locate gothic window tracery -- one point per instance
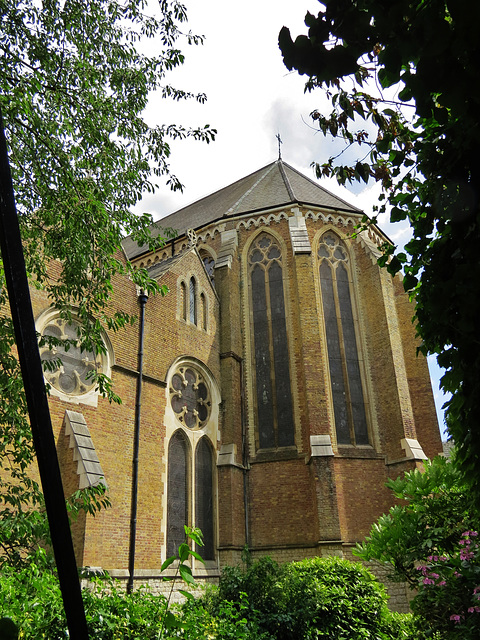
(191, 461)
(274, 410)
(343, 354)
(190, 397)
(69, 366)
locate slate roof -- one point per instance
(278, 184)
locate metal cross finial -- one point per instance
(280, 141)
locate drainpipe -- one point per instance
(244, 456)
(142, 300)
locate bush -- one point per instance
(316, 598)
(31, 597)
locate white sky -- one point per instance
(251, 97)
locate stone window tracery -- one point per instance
(68, 367)
(274, 407)
(343, 354)
(190, 397)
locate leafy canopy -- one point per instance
(73, 86)
(404, 83)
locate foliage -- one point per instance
(449, 591)
(229, 621)
(417, 132)
(73, 86)
(32, 599)
(316, 598)
(430, 542)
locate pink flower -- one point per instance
(456, 618)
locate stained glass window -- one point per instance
(342, 348)
(274, 410)
(204, 497)
(177, 491)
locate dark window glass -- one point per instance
(203, 300)
(183, 293)
(280, 357)
(345, 378)
(262, 359)
(193, 301)
(272, 370)
(204, 498)
(209, 263)
(177, 492)
(334, 356)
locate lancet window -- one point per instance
(193, 300)
(190, 462)
(183, 507)
(342, 347)
(177, 491)
(274, 410)
(204, 492)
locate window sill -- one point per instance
(360, 451)
(273, 455)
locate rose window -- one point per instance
(68, 368)
(190, 398)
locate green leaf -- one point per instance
(186, 574)
(167, 563)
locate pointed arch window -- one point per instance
(209, 264)
(191, 461)
(204, 497)
(274, 410)
(177, 492)
(342, 348)
(183, 301)
(193, 300)
(203, 310)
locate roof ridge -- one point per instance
(239, 201)
(285, 179)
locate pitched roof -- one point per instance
(277, 184)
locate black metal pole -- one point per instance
(142, 299)
(37, 402)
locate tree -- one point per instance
(73, 86)
(422, 57)
(429, 539)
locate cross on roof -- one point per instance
(280, 141)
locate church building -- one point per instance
(280, 385)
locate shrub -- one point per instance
(316, 598)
